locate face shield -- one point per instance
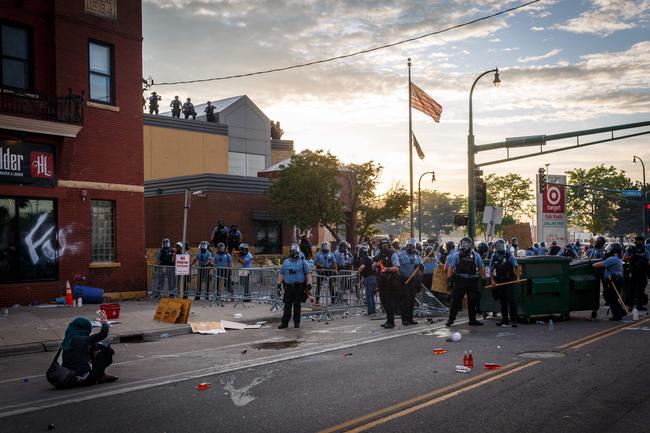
(294, 251)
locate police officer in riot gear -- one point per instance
(542, 249)
(234, 238)
(295, 279)
(639, 259)
(165, 256)
(386, 265)
(325, 265)
(409, 262)
(597, 250)
(612, 278)
(343, 257)
(567, 251)
(223, 265)
(204, 259)
(555, 249)
(483, 250)
(219, 233)
(153, 103)
(467, 271)
(176, 107)
(503, 268)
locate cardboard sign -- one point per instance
(173, 310)
(182, 264)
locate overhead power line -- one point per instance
(356, 53)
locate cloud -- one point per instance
(552, 53)
(608, 16)
(536, 29)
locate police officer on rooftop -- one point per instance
(295, 277)
(465, 267)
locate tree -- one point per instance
(306, 193)
(511, 192)
(596, 209)
(629, 216)
(365, 209)
(438, 210)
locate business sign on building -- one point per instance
(27, 163)
(551, 210)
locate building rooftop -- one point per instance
(220, 105)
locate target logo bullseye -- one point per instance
(553, 195)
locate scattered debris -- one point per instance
(285, 344)
(243, 352)
(203, 386)
(491, 366)
(504, 334)
(241, 396)
(462, 369)
(439, 351)
(347, 354)
(209, 328)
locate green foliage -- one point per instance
(596, 210)
(307, 191)
(393, 205)
(629, 216)
(511, 192)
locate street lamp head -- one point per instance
(496, 81)
(433, 177)
(634, 159)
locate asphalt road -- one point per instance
(351, 375)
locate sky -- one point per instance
(565, 65)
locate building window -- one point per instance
(16, 57)
(103, 240)
(100, 67)
(28, 240)
(245, 164)
(268, 237)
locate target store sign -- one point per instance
(553, 200)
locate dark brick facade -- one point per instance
(107, 150)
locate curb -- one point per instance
(131, 337)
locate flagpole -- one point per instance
(410, 151)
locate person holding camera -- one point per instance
(85, 353)
(295, 277)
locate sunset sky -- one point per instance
(565, 65)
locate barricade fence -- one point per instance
(331, 291)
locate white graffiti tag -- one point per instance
(32, 246)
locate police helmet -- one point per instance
(221, 247)
(465, 244)
(411, 245)
(343, 246)
(613, 249)
(418, 246)
(536, 245)
(395, 244)
(429, 251)
(600, 242)
(294, 251)
(243, 248)
(449, 245)
(166, 243)
(203, 246)
(542, 244)
(483, 248)
(384, 244)
(500, 245)
(554, 243)
(325, 246)
(514, 241)
(363, 250)
(639, 241)
(179, 244)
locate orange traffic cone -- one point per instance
(68, 294)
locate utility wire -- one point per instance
(356, 53)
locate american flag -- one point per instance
(425, 103)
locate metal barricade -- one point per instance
(163, 282)
(245, 285)
(336, 292)
(428, 303)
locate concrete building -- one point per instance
(71, 178)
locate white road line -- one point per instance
(33, 406)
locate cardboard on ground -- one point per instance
(238, 326)
(210, 328)
(173, 310)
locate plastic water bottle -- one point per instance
(80, 302)
(635, 314)
(550, 325)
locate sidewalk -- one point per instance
(41, 328)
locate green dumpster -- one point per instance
(546, 290)
(584, 286)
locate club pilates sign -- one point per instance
(27, 164)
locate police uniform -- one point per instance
(203, 274)
(343, 260)
(294, 273)
(223, 263)
(502, 269)
(613, 275)
(408, 263)
(466, 266)
(387, 283)
(638, 258)
(324, 263)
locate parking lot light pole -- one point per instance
(471, 181)
(433, 179)
(645, 192)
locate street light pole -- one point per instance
(471, 180)
(645, 191)
(433, 179)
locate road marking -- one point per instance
(91, 394)
(615, 331)
(492, 377)
(412, 401)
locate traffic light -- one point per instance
(542, 179)
(481, 194)
(460, 220)
(647, 220)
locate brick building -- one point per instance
(71, 177)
